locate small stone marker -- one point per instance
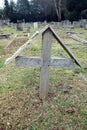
(45, 22)
(66, 23)
(28, 29)
(19, 26)
(35, 25)
(76, 24)
(45, 61)
(86, 27)
(1, 22)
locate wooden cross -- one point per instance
(45, 61)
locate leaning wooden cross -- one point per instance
(45, 62)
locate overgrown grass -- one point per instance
(65, 107)
(1, 50)
(82, 70)
(2, 63)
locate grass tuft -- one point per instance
(2, 63)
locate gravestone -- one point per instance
(19, 26)
(45, 61)
(66, 23)
(45, 22)
(1, 22)
(8, 22)
(76, 24)
(83, 22)
(35, 25)
(59, 24)
(28, 27)
(86, 27)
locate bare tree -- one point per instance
(58, 8)
(47, 7)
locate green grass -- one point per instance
(1, 50)
(20, 105)
(2, 63)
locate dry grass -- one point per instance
(65, 108)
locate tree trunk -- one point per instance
(58, 8)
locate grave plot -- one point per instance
(74, 45)
(22, 35)
(20, 39)
(79, 48)
(17, 41)
(4, 34)
(45, 61)
(75, 37)
(19, 93)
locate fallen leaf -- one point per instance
(69, 110)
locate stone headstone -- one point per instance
(76, 24)
(8, 22)
(66, 23)
(35, 25)
(27, 26)
(45, 22)
(86, 27)
(59, 24)
(83, 22)
(19, 26)
(28, 29)
(1, 22)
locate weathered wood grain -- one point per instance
(28, 62)
(46, 56)
(37, 62)
(62, 63)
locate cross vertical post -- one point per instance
(46, 58)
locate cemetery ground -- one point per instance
(65, 107)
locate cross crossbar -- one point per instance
(37, 62)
